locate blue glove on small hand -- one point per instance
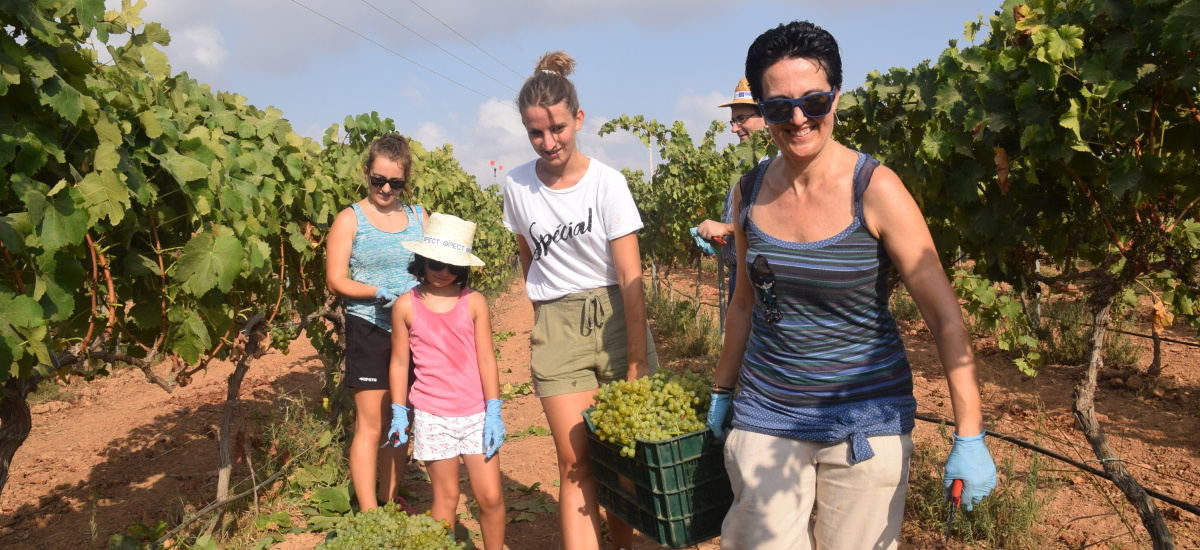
(493, 428)
(388, 295)
(701, 242)
(720, 414)
(397, 434)
(971, 462)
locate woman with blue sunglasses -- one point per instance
(813, 383)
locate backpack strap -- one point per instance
(748, 186)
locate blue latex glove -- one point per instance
(971, 462)
(397, 434)
(701, 242)
(720, 414)
(493, 428)
(387, 295)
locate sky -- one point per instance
(448, 71)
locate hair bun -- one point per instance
(558, 63)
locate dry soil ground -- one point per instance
(111, 453)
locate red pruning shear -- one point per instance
(718, 240)
(955, 498)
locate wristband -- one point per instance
(722, 390)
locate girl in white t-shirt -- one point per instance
(576, 227)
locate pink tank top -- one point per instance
(446, 366)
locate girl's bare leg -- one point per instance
(485, 484)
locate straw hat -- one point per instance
(447, 239)
(741, 95)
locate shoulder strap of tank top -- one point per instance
(359, 215)
(747, 186)
(862, 178)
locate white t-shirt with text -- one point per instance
(568, 230)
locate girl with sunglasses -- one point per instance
(366, 264)
(576, 226)
(813, 377)
(444, 327)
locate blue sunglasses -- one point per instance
(812, 105)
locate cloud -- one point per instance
(431, 136)
(698, 111)
(203, 44)
(413, 96)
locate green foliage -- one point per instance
(902, 306)
(531, 430)
(1007, 518)
(688, 187)
(680, 330)
(510, 391)
(1066, 135)
(147, 217)
(1066, 334)
(390, 527)
(137, 535)
(991, 310)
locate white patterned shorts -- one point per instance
(441, 437)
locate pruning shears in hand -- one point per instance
(954, 498)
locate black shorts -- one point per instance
(368, 354)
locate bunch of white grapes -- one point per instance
(652, 408)
(388, 526)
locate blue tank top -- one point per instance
(377, 259)
(824, 361)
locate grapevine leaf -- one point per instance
(1070, 119)
(335, 499)
(150, 124)
(104, 195)
(60, 96)
(12, 231)
(62, 223)
(210, 261)
(190, 338)
(183, 168)
(139, 265)
(60, 276)
(19, 311)
(106, 156)
(107, 130)
(1126, 175)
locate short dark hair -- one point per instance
(462, 273)
(798, 39)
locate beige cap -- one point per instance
(741, 95)
(447, 239)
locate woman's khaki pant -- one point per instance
(802, 495)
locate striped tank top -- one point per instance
(377, 259)
(824, 361)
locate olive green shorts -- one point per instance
(578, 342)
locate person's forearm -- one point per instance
(634, 298)
(349, 288)
(737, 332)
(958, 363)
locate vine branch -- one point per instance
(1112, 232)
(13, 266)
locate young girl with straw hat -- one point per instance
(456, 393)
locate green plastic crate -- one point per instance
(675, 492)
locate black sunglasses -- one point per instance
(812, 105)
(435, 265)
(379, 181)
